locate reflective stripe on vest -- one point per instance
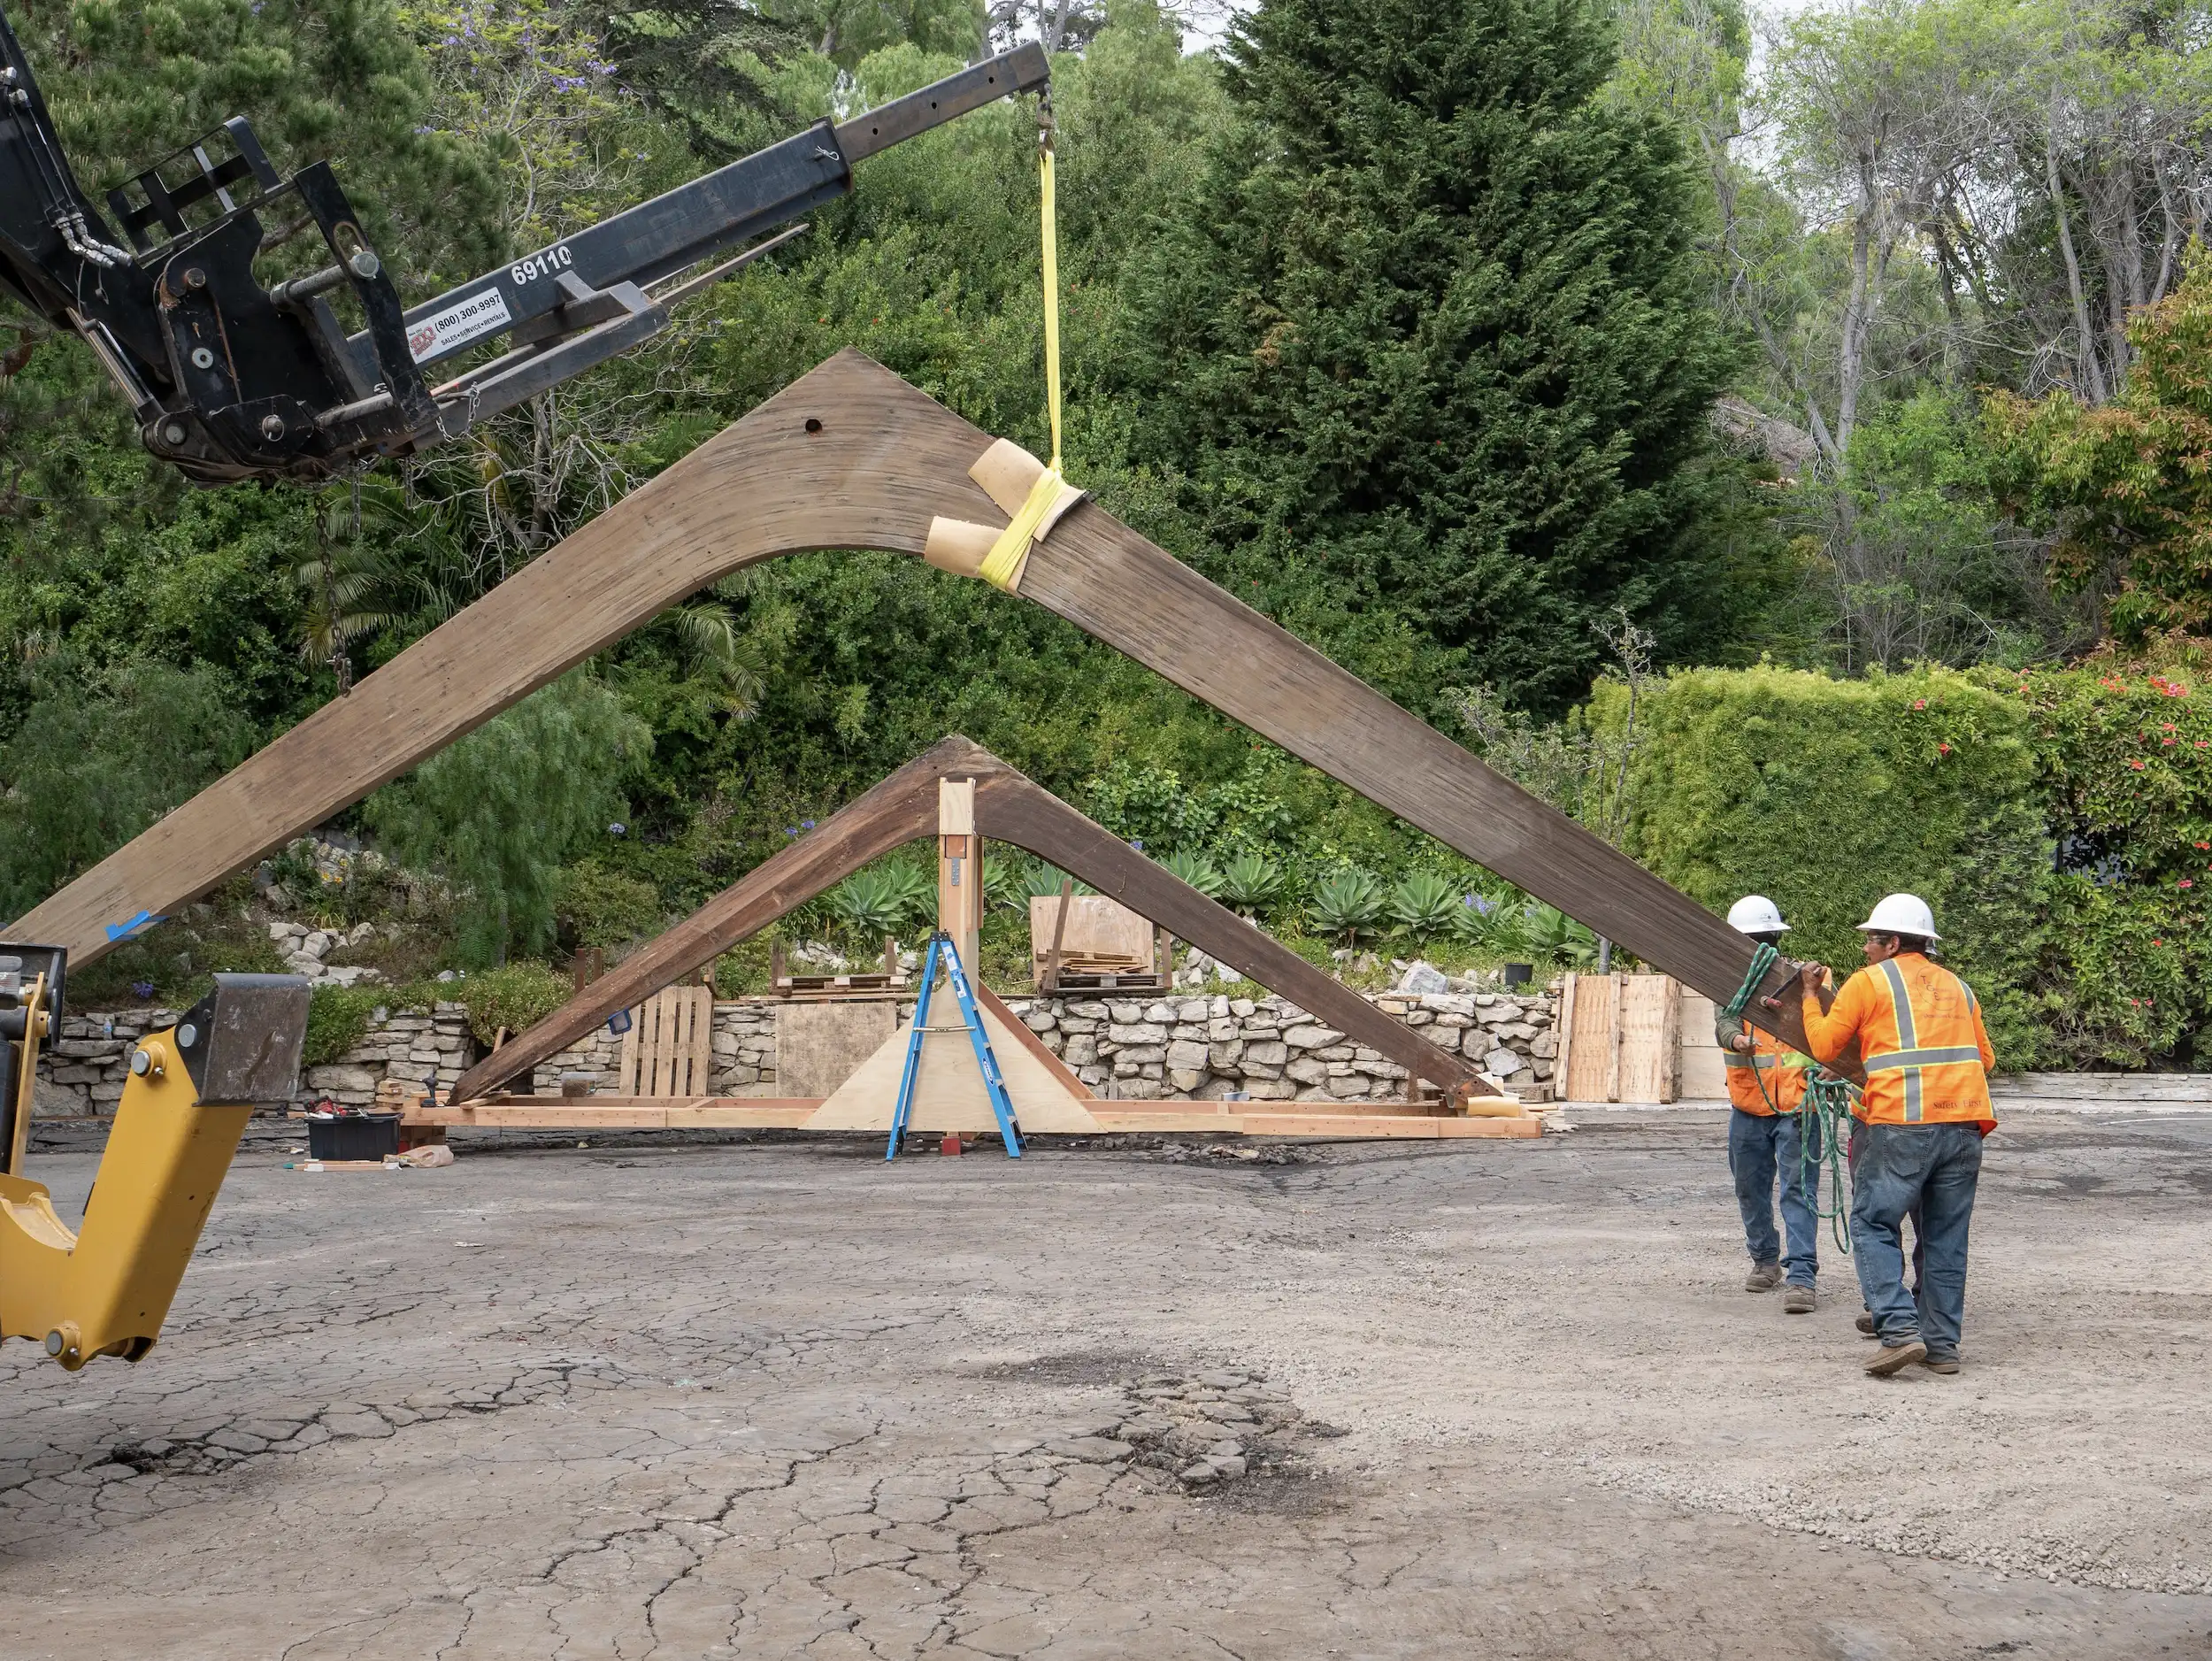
(1900, 1010)
(1924, 1058)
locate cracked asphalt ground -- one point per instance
(771, 1398)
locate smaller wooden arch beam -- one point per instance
(1011, 807)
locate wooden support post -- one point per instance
(587, 966)
(960, 872)
(1051, 980)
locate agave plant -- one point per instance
(1552, 934)
(916, 890)
(1491, 923)
(871, 902)
(1005, 887)
(1252, 882)
(1196, 869)
(1422, 903)
(1349, 903)
(1042, 881)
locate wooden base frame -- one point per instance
(849, 456)
(742, 1112)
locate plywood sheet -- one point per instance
(1701, 1069)
(948, 1093)
(1648, 1006)
(1593, 1045)
(819, 1046)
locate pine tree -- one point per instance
(498, 812)
(1426, 349)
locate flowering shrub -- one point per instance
(2123, 748)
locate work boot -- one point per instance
(1896, 1357)
(1945, 1365)
(1764, 1277)
(1797, 1299)
(1865, 1323)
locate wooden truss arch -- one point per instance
(849, 456)
(1011, 807)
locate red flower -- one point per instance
(2158, 942)
(2187, 883)
(1920, 704)
(2138, 765)
(1943, 749)
(2166, 726)
(2205, 846)
(2167, 743)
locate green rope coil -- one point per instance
(1824, 1118)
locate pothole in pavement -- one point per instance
(1223, 1431)
(1169, 1151)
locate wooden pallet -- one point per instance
(668, 1050)
(829, 986)
(1099, 980)
(886, 981)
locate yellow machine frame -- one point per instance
(105, 1288)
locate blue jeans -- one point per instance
(1927, 1172)
(1759, 1147)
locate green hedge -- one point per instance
(1826, 795)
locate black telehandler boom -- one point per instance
(231, 380)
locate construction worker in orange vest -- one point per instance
(1766, 1082)
(1925, 1109)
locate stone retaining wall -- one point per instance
(81, 1074)
(1268, 1050)
(1167, 1047)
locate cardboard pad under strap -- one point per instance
(1008, 474)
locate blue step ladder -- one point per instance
(942, 950)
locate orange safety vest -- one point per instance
(1772, 1065)
(1921, 1037)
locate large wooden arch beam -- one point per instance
(1011, 807)
(849, 456)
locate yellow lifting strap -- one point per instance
(1001, 567)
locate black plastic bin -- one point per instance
(352, 1136)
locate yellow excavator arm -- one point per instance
(105, 1288)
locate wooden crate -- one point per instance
(668, 1050)
(1102, 938)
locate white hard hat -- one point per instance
(1755, 914)
(1901, 914)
